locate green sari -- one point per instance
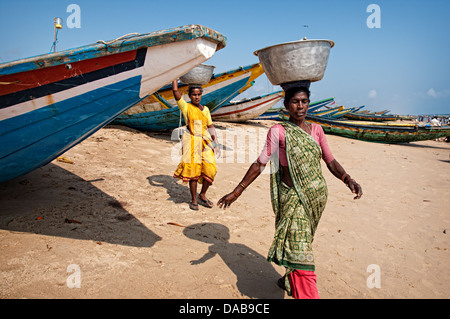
(297, 209)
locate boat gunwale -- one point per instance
(99, 49)
(234, 103)
(215, 76)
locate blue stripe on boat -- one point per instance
(36, 138)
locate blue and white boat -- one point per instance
(221, 88)
(246, 109)
(51, 102)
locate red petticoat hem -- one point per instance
(187, 179)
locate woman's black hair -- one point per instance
(192, 87)
(289, 93)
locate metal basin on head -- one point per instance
(201, 75)
(295, 61)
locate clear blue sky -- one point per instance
(403, 66)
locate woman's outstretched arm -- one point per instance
(337, 170)
(252, 173)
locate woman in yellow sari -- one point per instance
(198, 164)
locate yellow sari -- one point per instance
(198, 161)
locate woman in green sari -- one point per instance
(298, 191)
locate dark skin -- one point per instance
(196, 97)
(297, 107)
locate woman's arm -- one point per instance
(271, 146)
(253, 172)
(214, 146)
(175, 91)
(212, 132)
(337, 170)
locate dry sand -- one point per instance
(103, 224)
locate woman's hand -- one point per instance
(226, 200)
(355, 188)
(253, 172)
(337, 170)
(217, 150)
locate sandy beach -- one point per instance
(112, 222)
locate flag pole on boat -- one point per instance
(58, 25)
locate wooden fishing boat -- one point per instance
(222, 88)
(51, 102)
(340, 114)
(380, 133)
(215, 91)
(328, 112)
(370, 117)
(247, 109)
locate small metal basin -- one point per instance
(295, 61)
(201, 75)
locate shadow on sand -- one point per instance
(178, 193)
(256, 277)
(52, 201)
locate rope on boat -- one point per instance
(119, 38)
(8, 83)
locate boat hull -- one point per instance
(218, 81)
(248, 109)
(370, 117)
(47, 136)
(221, 89)
(45, 111)
(380, 133)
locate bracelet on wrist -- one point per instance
(345, 178)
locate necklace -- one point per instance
(308, 126)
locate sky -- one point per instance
(388, 54)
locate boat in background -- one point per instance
(372, 117)
(223, 88)
(380, 132)
(327, 112)
(341, 113)
(51, 102)
(336, 112)
(247, 109)
(230, 81)
(382, 112)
